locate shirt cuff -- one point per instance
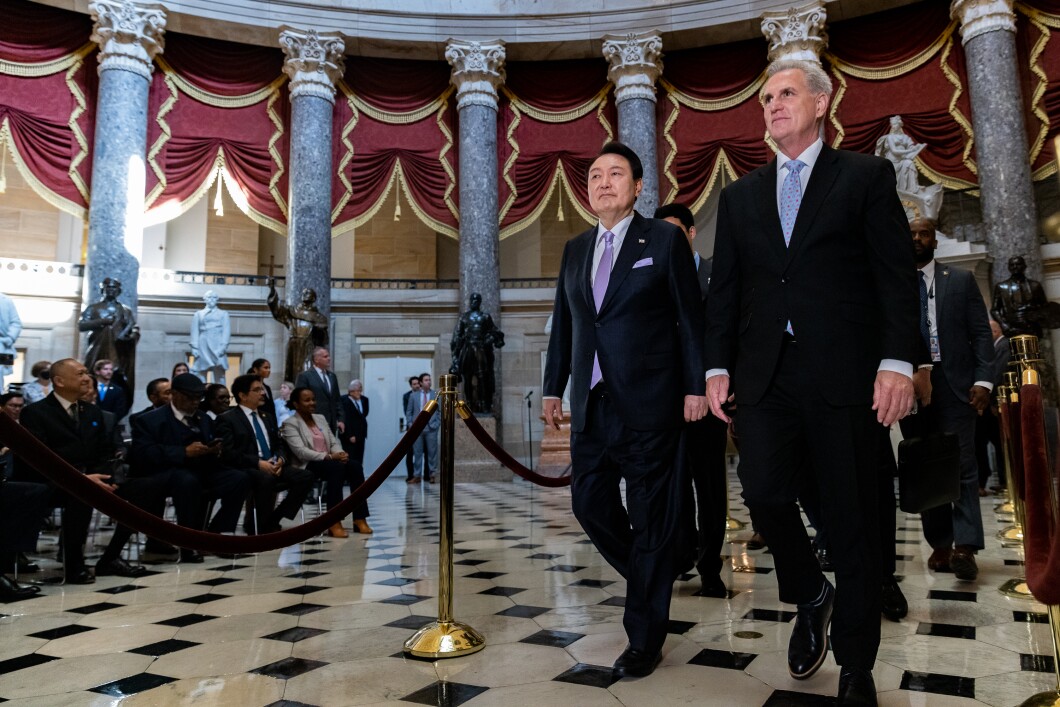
(551, 397)
(896, 366)
(717, 372)
(984, 384)
(926, 367)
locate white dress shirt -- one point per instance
(619, 232)
(251, 414)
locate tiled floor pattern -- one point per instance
(324, 623)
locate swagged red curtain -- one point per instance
(221, 110)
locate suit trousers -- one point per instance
(987, 432)
(638, 539)
(793, 431)
(265, 488)
(704, 443)
(425, 445)
(146, 493)
(335, 473)
(960, 522)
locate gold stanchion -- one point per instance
(730, 522)
(1010, 536)
(1025, 354)
(445, 638)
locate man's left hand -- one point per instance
(695, 407)
(978, 398)
(892, 397)
(342, 427)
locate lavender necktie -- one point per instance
(603, 276)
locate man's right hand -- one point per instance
(268, 467)
(718, 395)
(198, 449)
(552, 410)
(922, 386)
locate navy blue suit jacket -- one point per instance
(159, 440)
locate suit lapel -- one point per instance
(940, 286)
(823, 176)
(767, 196)
(585, 278)
(636, 240)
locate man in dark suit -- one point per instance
(355, 412)
(177, 442)
(250, 444)
(425, 448)
(414, 387)
(112, 395)
(627, 328)
(158, 394)
(812, 310)
(704, 442)
(76, 431)
(325, 387)
(954, 325)
(987, 427)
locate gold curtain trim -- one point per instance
(160, 142)
(277, 158)
(561, 116)
(965, 124)
(1046, 170)
(46, 68)
(721, 162)
(1038, 93)
(559, 178)
(216, 99)
(347, 192)
(718, 103)
(59, 202)
(413, 116)
(423, 216)
(397, 177)
(602, 119)
(1045, 18)
(840, 133)
(79, 136)
(447, 197)
(508, 163)
(890, 72)
(672, 154)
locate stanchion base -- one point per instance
(1011, 536)
(445, 640)
(734, 524)
(1005, 507)
(1042, 699)
(1016, 588)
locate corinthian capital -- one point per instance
(315, 61)
(478, 69)
(636, 62)
(797, 34)
(981, 16)
(129, 34)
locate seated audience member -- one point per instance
(113, 397)
(41, 385)
(251, 444)
(178, 443)
(178, 368)
(22, 509)
(217, 400)
(315, 448)
(158, 394)
(11, 404)
(75, 430)
(283, 410)
(110, 420)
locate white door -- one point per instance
(386, 378)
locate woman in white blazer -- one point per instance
(314, 447)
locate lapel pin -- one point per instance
(640, 240)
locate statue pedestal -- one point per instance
(555, 449)
(473, 462)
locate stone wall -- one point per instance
(29, 226)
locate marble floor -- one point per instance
(323, 623)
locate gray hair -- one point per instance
(817, 79)
(355, 383)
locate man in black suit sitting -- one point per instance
(252, 445)
(158, 394)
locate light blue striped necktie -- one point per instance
(790, 198)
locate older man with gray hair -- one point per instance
(355, 412)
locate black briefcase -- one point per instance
(929, 472)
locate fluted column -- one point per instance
(315, 61)
(635, 65)
(478, 69)
(988, 32)
(796, 34)
(129, 36)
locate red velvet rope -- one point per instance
(52, 467)
(508, 460)
(1040, 541)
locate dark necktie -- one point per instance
(263, 441)
(925, 330)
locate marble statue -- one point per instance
(307, 328)
(472, 346)
(1020, 305)
(211, 332)
(10, 328)
(113, 333)
(919, 201)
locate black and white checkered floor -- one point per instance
(324, 623)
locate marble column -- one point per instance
(315, 61)
(988, 32)
(129, 36)
(796, 34)
(635, 64)
(478, 69)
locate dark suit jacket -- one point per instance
(649, 331)
(327, 402)
(847, 281)
(159, 440)
(356, 421)
(1002, 355)
(85, 444)
(239, 444)
(116, 400)
(706, 266)
(965, 341)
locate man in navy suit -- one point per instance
(325, 386)
(627, 328)
(355, 412)
(113, 397)
(812, 311)
(956, 330)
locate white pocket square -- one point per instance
(642, 263)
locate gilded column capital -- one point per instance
(635, 64)
(315, 61)
(478, 69)
(981, 16)
(797, 34)
(129, 34)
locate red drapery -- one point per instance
(1038, 57)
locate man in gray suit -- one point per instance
(954, 325)
(425, 448)
(325, 386)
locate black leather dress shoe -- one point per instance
(10, 590)
(191, 556)
(856, 688)
(757, 542)
(808, 645)
(713, 587)
(824, 557)
(119, 568)
(25, 566)
(82, 576)
(894, 605)
(636, 664)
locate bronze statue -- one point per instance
(1020, 305)
(113, 333)
(472, 347)
(307, 328)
